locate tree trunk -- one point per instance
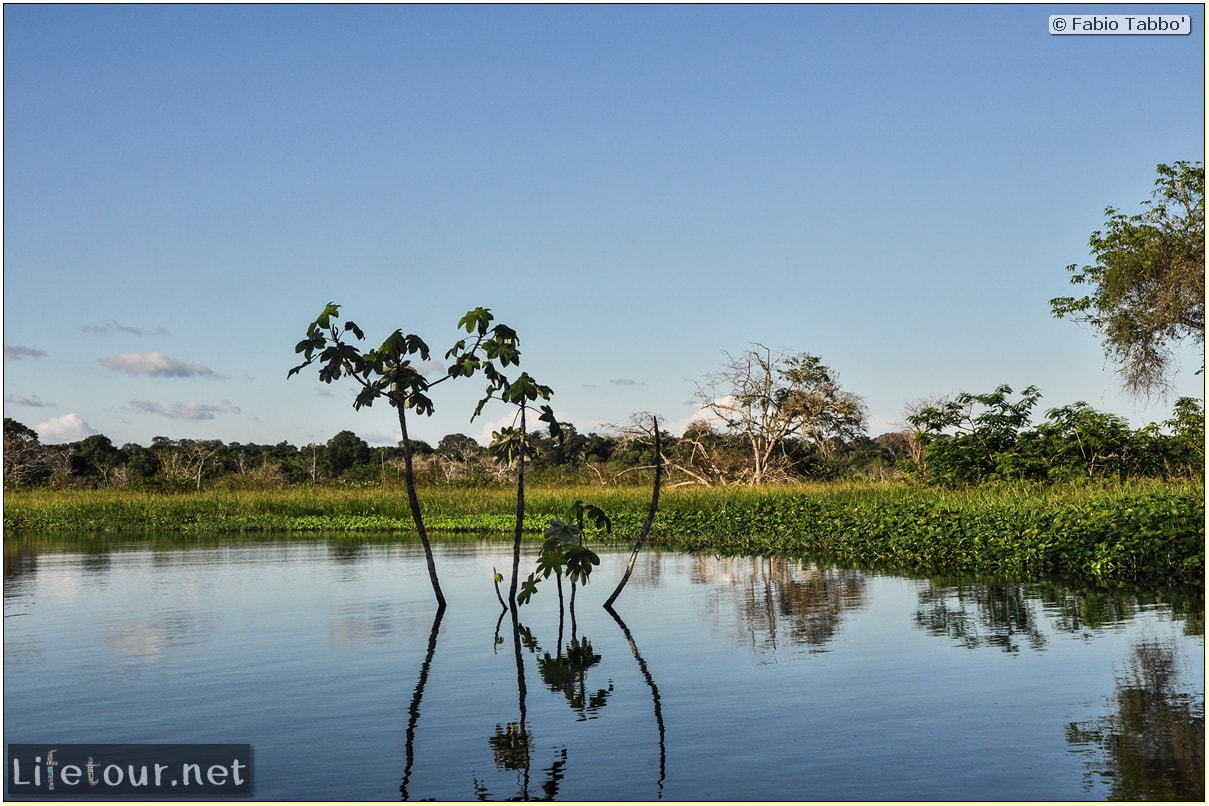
(646, 527)
(413, 501)
(520, 518)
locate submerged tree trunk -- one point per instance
(413, 501)
(520, 517)
(650, 519)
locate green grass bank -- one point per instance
(1145, 530)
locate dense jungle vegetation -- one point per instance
(959, 442)
(975, 488)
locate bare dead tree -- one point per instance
(768, 397)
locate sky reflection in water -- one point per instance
(721, 678)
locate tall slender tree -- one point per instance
(389, 372)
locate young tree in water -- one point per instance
(389, 372)
(1148, 280)
(511, 447)
(650, 517)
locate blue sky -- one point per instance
(634, 189)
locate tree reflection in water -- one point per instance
(778, 600)
(1152, 746)
(980, 614)
(1008, 615)
(567, 673)
(512, 743)
(655, 698)
(1091, 608)
(413, 711)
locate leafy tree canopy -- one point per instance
(1148, 280)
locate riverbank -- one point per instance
(1139, 530)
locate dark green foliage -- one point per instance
(458, 447)
(971, 439)
(344, 451)
(1099, 530)
(142, 464)
(1157, 536)
(95, 458)
(968, 439)
(1078, 441)
(1148, 279)
(563, 551)
(965, 445)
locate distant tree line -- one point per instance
(969, 439)
(961, 440)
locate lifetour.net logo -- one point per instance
(104, 770)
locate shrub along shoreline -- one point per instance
(1148, 531)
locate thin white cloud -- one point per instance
(114, 325)
(508, 420)
(19, 351)
(378, 439)
(68, 428)
(702, 414)
(431, 367)
(512, 419)
(21, 400)
(155, 364)
(623, 382)
(188, 410)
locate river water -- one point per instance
(718, 679)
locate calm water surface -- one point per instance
(723, 679)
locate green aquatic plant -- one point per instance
(563, 551)
(1103, 530)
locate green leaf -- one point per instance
(476, 320)
(395, 344)
(415, 344)
(560, 532)
(598, 517)
(551, 561)
(528, 588)
(547, 416)
(331, 311)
